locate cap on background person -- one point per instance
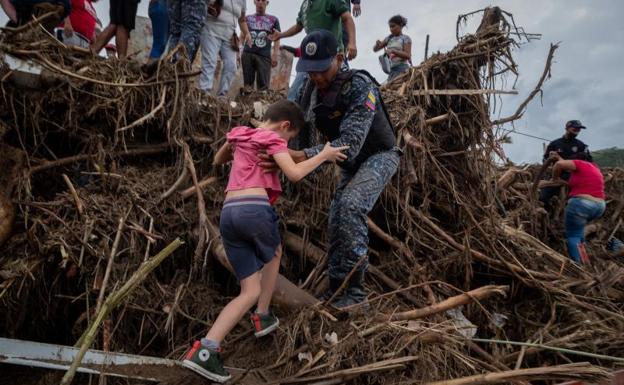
(318, 50)
(574, 124)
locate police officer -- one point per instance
(345, 106)
(563, 148)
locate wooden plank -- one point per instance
(463, 92)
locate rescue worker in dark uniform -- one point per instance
(563, 148)
(345, 106)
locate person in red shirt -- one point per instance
(586, 200)
(79, 27)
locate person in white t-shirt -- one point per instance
(219, 38)
(398, 47)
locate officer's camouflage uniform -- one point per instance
(352, 114)
(186, 19)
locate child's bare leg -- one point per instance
(269, 277)
(234, 311)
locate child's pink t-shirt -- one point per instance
(247, 143)
(586, 180)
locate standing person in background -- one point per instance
(157, 12)
(329, 15)
(218, 37)
(186, 18)
(586, 200)
(398, 47)
(78, 29)
(258, 58)
(122, 18)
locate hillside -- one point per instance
(609, 157)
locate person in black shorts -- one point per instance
(122, 16)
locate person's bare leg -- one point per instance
(121, 39)
(103, 38)
(9, 9)
(270, 272)
(234, 311)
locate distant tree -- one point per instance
(609, 157)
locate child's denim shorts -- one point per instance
(250, 233)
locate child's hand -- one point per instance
(334, 154)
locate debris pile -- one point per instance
(103, 168)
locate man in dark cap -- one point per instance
(563, 148)
(346, 107)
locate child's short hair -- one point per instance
(288, 111)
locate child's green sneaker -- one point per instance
(264, 324)
(205, 362)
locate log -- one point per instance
(508, 178)
(202, 185)
(146, 150)
(581, 370)
(463, 92)
(286, 293)
(449, 303)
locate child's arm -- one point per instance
(224, 154)
(297, 171)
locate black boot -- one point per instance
(334, 284)
(353, 294)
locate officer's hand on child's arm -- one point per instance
(334, 154)
(267, 162)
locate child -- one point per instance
(249, 225)
(398, 46)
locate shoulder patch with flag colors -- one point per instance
(371, 101)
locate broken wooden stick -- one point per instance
(146, 150)
(449, 303)
(74, 194)
(201, 185)
(114, 300)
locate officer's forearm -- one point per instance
(298, 156)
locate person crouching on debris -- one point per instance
(249, 225)
(398, 47)
(346, 107)
(586, 200)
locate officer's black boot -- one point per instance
(334, 284)
(353, 294)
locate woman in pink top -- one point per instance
(249, 225)
(586, 200)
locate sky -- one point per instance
(586, 78)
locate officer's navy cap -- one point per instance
(575, 124)
(318, 50)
